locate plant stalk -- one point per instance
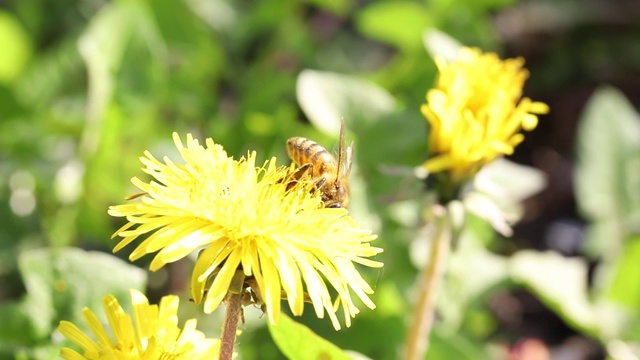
(230, 327)
(417, 341)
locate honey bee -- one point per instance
(331, 176)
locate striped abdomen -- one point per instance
(304, 151)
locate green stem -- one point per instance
(417, 341)
(228, 338)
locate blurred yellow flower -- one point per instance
(476, 112)
(247, 220)
(156, 334)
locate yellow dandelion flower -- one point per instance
(156, 334)
(246, 220)
(476, 112)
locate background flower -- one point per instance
(476, 112)
(156, 334)
(253, 219)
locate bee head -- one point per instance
(339, 197)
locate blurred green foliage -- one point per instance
(87, 86)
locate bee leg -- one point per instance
(302, 171)
(320, 182)
(317, 185)
(296, 175)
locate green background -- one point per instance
(86, 86)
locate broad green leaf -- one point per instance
(560, 283)
(603, 238)
(354, 355)
(328, 97)
(488, 209)
(499, 189)
(218, 14)
(508, 182)
(398, 23)
(607, 176)
(622, 350)
(297, 341)
(59, 283)
(16, 48)
(625, 283)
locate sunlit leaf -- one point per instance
(327, 97)
(498, 190)
(625, 282)
(509, 182)
(353, 355)
(560, 283)
(623, 350)
(488, 209)
(297, 341)
(218, 14)
(608, 169)
(16, 48)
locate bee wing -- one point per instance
(345, 153)
(345, 168)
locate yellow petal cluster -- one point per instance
(152, 334)
(476, 112)
(244, 218)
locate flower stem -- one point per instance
(417, 341)
(228, 338)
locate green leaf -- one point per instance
(618, 349)
(16, 48)
(508, 182)
(560, 283)
(607, 177)
(59, 283)
(500, 188)
(327, 97)
(398, 23)
(297, 341)
(625, 283)
(451, 346)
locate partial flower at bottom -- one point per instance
(476, 112)
(257, 233)
(155, 336)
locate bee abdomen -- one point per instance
(303, 151)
